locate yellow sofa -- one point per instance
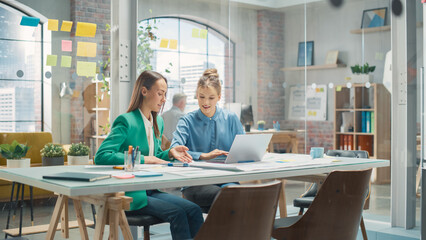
(36, 141)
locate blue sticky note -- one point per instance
(29, 21)
(147, 174)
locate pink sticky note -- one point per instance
(66, 46)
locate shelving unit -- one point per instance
(97, 104)
(315, 67)
(376, 101)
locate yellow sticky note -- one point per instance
(317, 90)
(66, 61)
(164, 43)
(173, 44)
(338, 88)
(85, 29)
(203, 33)
(195, 33)
(52, 24)
(86, 49)
(51, 60)
(75, 94)
(66, 26)
(86, 69)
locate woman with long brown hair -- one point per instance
(141, 126)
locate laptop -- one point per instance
(246, 148)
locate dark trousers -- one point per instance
(185, 217)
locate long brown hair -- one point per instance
(147, 79)
(210, 78)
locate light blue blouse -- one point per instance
(202, 134)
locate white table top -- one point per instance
(33, 177)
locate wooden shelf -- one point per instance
(378, 29)
(100, 109)
(345, 110)
(364, 134)
(364, 109)
(315, 67)
(371, 30)
(345, 133)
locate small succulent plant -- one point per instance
(52, 150)
(78, 149)
(14, 151)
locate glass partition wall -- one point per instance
(322, 72)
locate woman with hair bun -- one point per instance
(207, 132)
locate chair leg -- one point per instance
(301, 211)
(10, 207)
(146, 233)
(363, 231)
(31, 206)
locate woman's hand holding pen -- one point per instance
(153, 160)
(180, 153)
(212, 154)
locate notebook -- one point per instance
(246, 148)
(77, 176)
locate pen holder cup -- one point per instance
(131, 160)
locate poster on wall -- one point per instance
(316, 103)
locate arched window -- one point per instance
(181, 49)
(21, 96)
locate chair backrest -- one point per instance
(242, 212)
(335, 212)
(348, 153)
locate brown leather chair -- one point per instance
(242, 212)
(335, 212)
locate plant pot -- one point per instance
(19, 163)
(78, 160)
(261, 127)
(52, 161)
(361, 78)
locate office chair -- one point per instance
(306, 199)
(335, 212)
(242, 212)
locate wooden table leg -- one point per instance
(55, 217)
(101, 221)
(114, 206)
(65, 219)
(282, 201)
(80, 219)
(124, 226)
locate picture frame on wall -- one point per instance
(331, 57)
(309, 54)
(374, 17)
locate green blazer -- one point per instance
(129, 129)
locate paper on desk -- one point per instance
(201, 173)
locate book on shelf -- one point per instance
(367, 122)
(372, 122)
(363, 122)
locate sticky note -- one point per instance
(203, 33)
(66, 61)
(75, 94)
(322, 90)
(86, 69)
(173, 44)
(164, 43)
(86, 49)
(29, 21)
(66, 46)
(85, 29)
(317, 90)
(338, 88)
(51, 60)
(52, 24)
(66, 26)
(195, 33)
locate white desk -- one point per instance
(102, 192)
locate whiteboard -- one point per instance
(316, 103)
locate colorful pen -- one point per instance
(118, 167)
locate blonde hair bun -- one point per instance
(211, 72)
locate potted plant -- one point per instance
(14, 153)
(52, 155)
(361, 74)
(78, 154)
(261, 125)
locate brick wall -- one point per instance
(91, 11)
(270, 58)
